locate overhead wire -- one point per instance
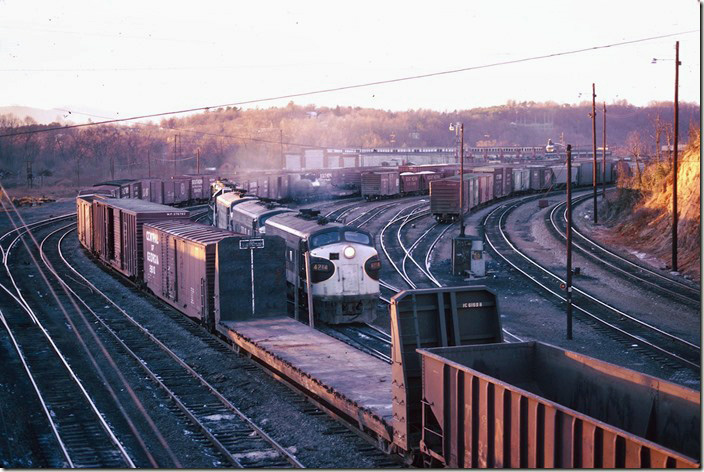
(356, 86)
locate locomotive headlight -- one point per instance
(349, 252)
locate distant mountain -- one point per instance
(37, 114)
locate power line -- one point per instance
(355, 86)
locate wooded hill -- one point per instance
(255, 138)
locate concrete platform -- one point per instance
(352, 382)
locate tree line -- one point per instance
(256, 138)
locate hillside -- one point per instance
(256, 138)
(641, 216)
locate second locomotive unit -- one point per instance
(342, 260)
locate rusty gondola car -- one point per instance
(534, 405)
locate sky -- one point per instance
(128, 58)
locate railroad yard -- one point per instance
(170, 394)
(292, 235)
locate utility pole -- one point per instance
(198, 161)
(568, 234)
(674, 159)
(594, 149)
(603, 160)
(462, 180)
(281, 147)
(175, 140)
(149, 161)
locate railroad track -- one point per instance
(79, 428)
(239, 441)
(363, 336)
(654, 280)
(666, 347)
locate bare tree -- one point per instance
(635, 147)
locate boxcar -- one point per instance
(486, 188)
(124, 186)
(379, 184)
(182, 190)
(118, 230)
(560, 173)
(84, 220)
(521, 179)
(540, 177)
(198, 188)
(427, 176)
(152, 190)
(199, 270)
(532, 405)
(105, 190)
(410, 183)
(168, 194)
(498, 173)
(444, 196)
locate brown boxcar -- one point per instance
(486, 188)
(532, 405)
(427, 318)
(410, 183)
(118, 230)
(105, 190)
(181, 265)
(196, 185)
(123, 186)
(379, 184)
(445, 198)
(540, 177)
(152, 190)
(427, 176)
(84, 220)
(168, 194)
(182, 190)
(498, 178)
(135, 188)
(508, 180)
(200, 186)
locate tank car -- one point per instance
(344, 266)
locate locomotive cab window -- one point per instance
(355, 237)
(323, 239)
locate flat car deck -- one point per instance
(355, 383)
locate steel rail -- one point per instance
(61, 357)
(589, 314)
(45, 409)
(621, 258)
(290, 458)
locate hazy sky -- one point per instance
(130, 58)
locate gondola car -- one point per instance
(343, 262)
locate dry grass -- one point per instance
(641, 215)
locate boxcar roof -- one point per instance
(141, 206)
(115, 183)
(467, 176)
(195, 232)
